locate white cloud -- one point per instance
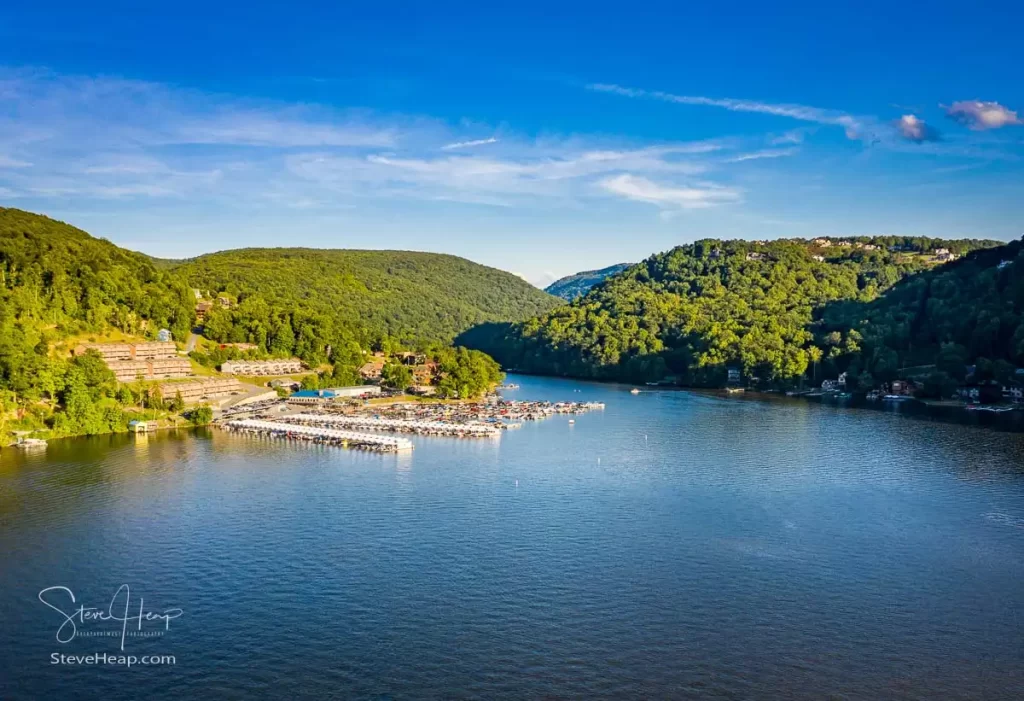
(643, 190)
(854, 127)
(107, 138)
(914, 129)
(980, 115)
(765, 153)
(468, 144)
(793, 136)
(6, 162)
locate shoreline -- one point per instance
(912, 407)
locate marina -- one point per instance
(501, 413)
(423, 428)
(319, 435)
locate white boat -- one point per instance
(30, 443)
(634, 391)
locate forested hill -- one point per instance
(934, 325)
(411, 297)
(59, 278)
(689, 314)
(572, 286)
(56, 283)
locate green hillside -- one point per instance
(411, 297)
(968, 312)
(690, 313)
(58, 282)
(572, 286)
(59, 285)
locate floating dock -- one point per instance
(423, 428)
(321, 435)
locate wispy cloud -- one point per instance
(855, 128)
(6, 162)
(643, 190)
(80, 138)
(469, 144)
(793, 136)
(979, 115)
(764, 153)
(914, 129)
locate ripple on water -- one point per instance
(672, 545)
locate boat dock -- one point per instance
(423, 428)
(321, 435)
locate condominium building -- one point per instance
(200, 388)
(261, 367)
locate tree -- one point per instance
(177, 403)
(396, 375)
(200, 415)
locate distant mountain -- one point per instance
(778, 311)
(408, 296)
(573, 286)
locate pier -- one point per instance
(320, 435)
(423, 428)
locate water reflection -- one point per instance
(725, 547)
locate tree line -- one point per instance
(779, 312)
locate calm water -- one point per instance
(674, 545)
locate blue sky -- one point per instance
(539, 138)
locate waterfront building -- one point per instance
(424, 374)
(157, 368)
(372, 369)
(324, 397)
(312, 397)
(129, 351)
(200, 388)
(262, 367)
(356, 391)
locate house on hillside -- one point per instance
(822, 243)
(820, 259)
(372, 369)
(424, 373)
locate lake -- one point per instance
(673, 545)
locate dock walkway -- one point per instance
(316, 434)
(423, 428)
